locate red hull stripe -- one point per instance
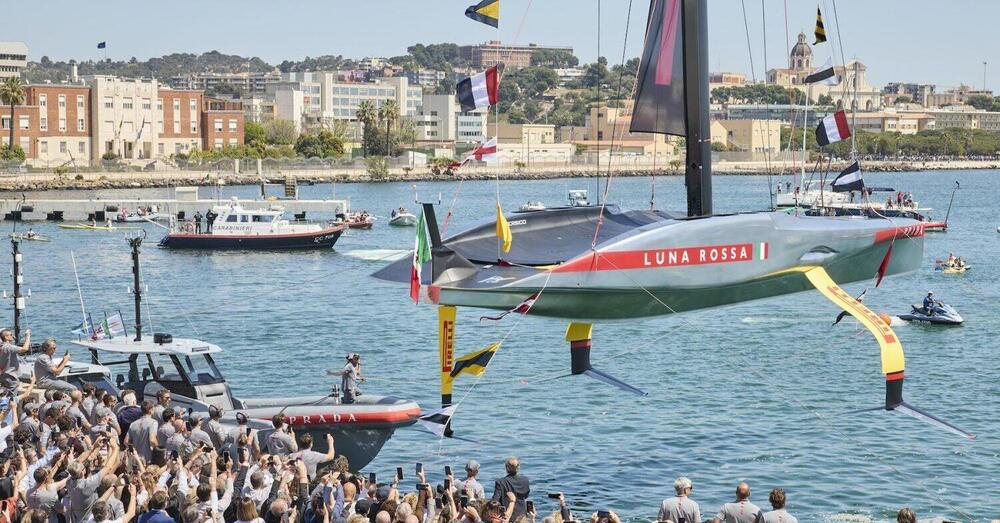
(321, 232)
(895, 233)
(894, 376)
(351, 418)
(660, 258)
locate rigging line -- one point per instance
(854, 106)
(791, 107)
(600, 81)
(614, 127)
(454, 199)
(767, 107)
(819, 416)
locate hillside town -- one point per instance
(405, 109)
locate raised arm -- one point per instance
(330, 453)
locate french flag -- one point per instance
(833, 129)
(478, 91)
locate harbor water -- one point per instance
(753, 392)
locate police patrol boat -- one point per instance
(236, 227)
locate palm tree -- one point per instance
(366, 114)
(389, 112)
(12, 93)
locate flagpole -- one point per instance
(496, 129)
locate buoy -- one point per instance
(886, 318)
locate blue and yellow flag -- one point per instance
(487, 12)
(475, 362)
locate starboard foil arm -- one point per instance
(893, 364)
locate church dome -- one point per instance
(801, 49)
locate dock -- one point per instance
(183, 206)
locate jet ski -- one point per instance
(941, 313)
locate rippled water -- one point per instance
(750, 392)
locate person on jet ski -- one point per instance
(929, 304)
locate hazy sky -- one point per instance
(913, 40)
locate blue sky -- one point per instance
(915, 40)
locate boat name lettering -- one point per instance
(698, 255)
(517, 222)
(322, 418)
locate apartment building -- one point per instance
(221, 123)
(326, 98)
(13, 59)
(124, 119)
(179, 121)
(490, 53)
(440, 119)
(247, 83)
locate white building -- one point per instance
(248, 83)
(120, 108)
(439, 119)
(13, 59)
(569, 74)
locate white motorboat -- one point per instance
(532, 206)
(578, 198)
(402, 218)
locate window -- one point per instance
(79, 101)
(232, 141)
(231, 218)
(159, 149)
(194, 127)
(232, 126)
(145, 103)
(244, 218)
(177, 105)
(23, 122)
(177, 148)
(127, 103)
(81, 125)
(159, 104)
(218, 126)
(43, 124)
(62, 147)
(5, 122)
(43, 147)
(81, 147)
(218, 143)
(177, 127)
(26, 144)
(109, 102)
(193, 105)
(62, 100)
(43, 100)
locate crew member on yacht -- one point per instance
(349, 378)
(210, 217)
(9, 361)
(47, 371)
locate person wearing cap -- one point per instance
(47, 370)
(198, 436)
(215, 430)
(9, 361)
(349, 378)
(470, 485)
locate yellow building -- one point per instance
(526, 133)
(752, 136)
(965, 117)
(889, 121)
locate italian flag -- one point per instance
(421, 254)
(760, 251)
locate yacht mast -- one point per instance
(698, 172)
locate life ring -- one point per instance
(188, 227)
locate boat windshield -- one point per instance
(200, 370)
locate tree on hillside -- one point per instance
(368, 116)
(556, 58)
(12, 94)
(903, 99)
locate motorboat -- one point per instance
(578, 198)
(402, 218)
(95, 227)
(236, 227)
(359, 220)
(187, 368)
(940, 313)
(139, 217)
(953, 268)
(530, 206)
(809, 197)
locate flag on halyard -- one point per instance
(84, 329)
(820, 30)
(833, 129)
(437, 421)
(479, 91)
(102, 45)
(849, 179)
(475, 362)
(421, 255)
(503, 230)
(487, 12)
(522, 308)
(486, 152)
(109, 328)
(824, 75)
(138, 136)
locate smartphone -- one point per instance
(438, 504)
(420, 468)
(447, 470)
(531, 506)
(399, 473)
(603, 514)
(225, 455)
(173, 454)
(554, 495)
(248, 432)
(371, 478)
(422, 486)
(447, 484)
(463, 501)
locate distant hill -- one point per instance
(161, 68)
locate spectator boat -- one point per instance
(402, 218)
(238, 228)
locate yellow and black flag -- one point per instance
(486, 11)
(474, 362)
(820, 30)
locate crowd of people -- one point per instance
(85, 455)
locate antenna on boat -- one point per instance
(951, 201)
(135, 242)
